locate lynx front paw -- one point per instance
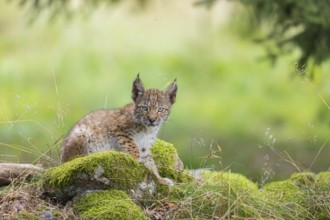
(166, 181)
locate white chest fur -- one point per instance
(144, 140)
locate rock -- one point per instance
(231, 181)
(111, 170)
(233, 196)
(104, 170)
(168, 162)
(287, 199)
(303, 196)
(112, 185)
(303, 179)
(215, 195)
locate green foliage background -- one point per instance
(291, 24)
(262, 116)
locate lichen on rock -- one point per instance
(107, 204)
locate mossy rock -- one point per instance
(109, 170)
(218, 194)
(107, 204)
(323, 181)
(169, 165)
(322, 195)
(167, 161)
(304, 179)
(238, 192)
(232, 181)
(302, 196)
(285, 199)
(230, 195)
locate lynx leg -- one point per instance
(150, 164)
(146, 159)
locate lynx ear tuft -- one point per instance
(171, 91)
(137, 89)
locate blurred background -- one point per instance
(243, 104)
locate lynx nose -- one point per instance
(152, 120)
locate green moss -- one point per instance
(115, 170)
(303, 196)
(109, 204)
(304, 179)
(119, 169)
(285, 199)
(224, 195)
(166, 159)
(284, 191)
(219, 194)
(199, 200)
(322, 195)
(232, 181)
(166, 156)
(238, 191)
(323, 181)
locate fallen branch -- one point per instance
(12, 171)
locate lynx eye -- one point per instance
(144, 108)
(161, 109)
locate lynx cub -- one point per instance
(132, 128)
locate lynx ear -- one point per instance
(171, 91)
(137, 89)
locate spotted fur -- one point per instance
(132, 128)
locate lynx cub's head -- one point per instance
(152, 106)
